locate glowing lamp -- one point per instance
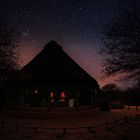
(52, 95)
(36, 91)
(62, 94)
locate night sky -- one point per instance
(75, 24)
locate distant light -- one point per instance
(24, 34)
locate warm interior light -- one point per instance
(52, 95)
(62, 94)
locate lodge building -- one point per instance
(51, 79)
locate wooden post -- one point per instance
(2, 123)
(92, 96)
(77, 100)
(136, 108)
(92, 99)
(17, 126)
(49, 104)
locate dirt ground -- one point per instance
(113, 125)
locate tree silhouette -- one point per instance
(122, 45)
(110, 87)
(132, 96)
(8, 56)
(111, 90)
(8, 51)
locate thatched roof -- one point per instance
(52, 66)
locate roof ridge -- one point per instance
(52, 44)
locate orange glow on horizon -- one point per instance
(88, 59)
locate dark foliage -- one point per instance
(8, 50)
(122, 45)
(111, 91)
(111, 87)
(132, 96)
(8, 56)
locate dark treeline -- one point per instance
(121, 51)
(112, 96)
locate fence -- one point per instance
(100, 131)
(129, 107)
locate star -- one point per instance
(80, 8)
(24, 34)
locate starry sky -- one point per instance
(75, 24)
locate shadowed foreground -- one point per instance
(114, 125)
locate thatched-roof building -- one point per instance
(52, 78)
